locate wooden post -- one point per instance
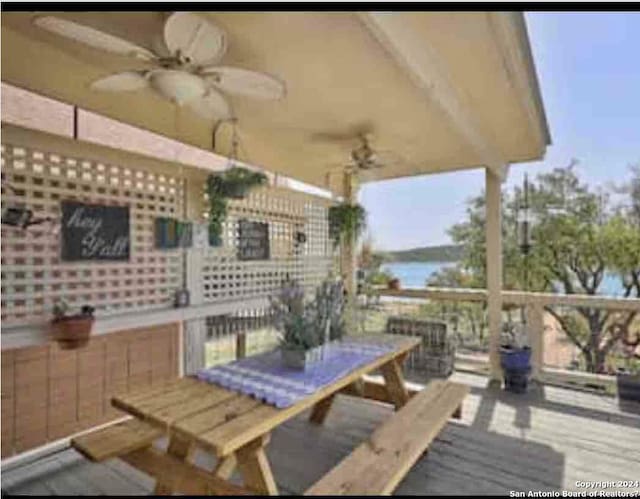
(348, 247)
(493, 234)
(535, 324)
(195, 337)
(241, 345)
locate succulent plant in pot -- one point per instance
(233, 183)
(71, 331)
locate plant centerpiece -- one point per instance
(71, 331)
(330, 306)
(306, 327)
(233, 183)
(515, 359)
(346, 221)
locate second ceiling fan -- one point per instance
(186, 65)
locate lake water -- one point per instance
(415, 275)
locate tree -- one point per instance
(574, 247)
(463, 316)
(370, 261)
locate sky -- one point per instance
(588, 66)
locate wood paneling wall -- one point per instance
(49, 393)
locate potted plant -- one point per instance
(346, 221)
(393, 283)
(307, 328)
(628, 378)
(233, 183)
(71, 331)
(515, 359)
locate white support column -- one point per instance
(493, 236)
(348, 247)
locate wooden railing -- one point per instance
(534, 305)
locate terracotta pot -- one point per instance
(394, 284)
(72, 332)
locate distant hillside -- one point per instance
(444, 253)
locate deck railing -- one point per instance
(534, 307)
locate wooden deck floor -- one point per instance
(545, 440)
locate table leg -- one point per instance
(225, 467)
(179, 448)
(320, 411)
(394, 383)
(254, 467)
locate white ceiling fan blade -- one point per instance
(195, 38)
(92, 37)
(213, 106)
(121, 82)
(239, 81)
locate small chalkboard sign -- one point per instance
(94, 232)
(253, 241)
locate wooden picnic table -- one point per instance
(236, 427)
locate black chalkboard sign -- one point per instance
(94, 232)
(253, 243)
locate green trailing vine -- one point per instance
(346, 220)
(234, 183)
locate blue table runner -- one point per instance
(266, 378)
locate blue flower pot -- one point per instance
(516, 366)
(518, 359)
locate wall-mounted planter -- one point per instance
(72, 332)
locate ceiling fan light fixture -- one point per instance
(178, 86)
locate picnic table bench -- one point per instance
(236, 428)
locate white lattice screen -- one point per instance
(222, 276)
(34, 277)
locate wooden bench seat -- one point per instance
(116, 440)
(378, 465)
(131, 441)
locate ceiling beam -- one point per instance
(509, 32)
(428, 72)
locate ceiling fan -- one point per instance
(185, 61)
(364, 159)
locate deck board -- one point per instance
(544, 440)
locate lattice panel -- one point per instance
(33, 276)
(223, 276)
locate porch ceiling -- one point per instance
(444, 91)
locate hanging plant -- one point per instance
(346, 220)
(237, 182)
(234, 183)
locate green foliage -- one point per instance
(303, 324)
(467, 320)
(232, 183)
(346, 220)
(370, 262)
(572, 250)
